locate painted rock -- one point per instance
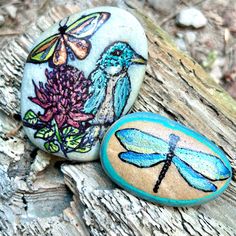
(164, 162)
(81, 75)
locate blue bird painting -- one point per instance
(111, 85)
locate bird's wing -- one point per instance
(97, 91)
(192, 177)
(206, 164)
(121, 94)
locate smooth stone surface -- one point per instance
(162, 161)
(191, 17)
(82, 74)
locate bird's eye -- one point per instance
(117, 53)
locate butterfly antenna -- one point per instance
(67, 18)
(60, 23)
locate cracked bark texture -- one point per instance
(45, 195)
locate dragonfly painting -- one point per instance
(198, 169)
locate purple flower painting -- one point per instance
(63, 123)
(63, 96)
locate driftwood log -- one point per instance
(44, 195)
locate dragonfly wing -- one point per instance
(138, 141)
(44, 50)
(208, 165)
(87, 25)
(121, 95)
(192, 177)
(142, 160)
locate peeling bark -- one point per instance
(111, 211)
(39, 196)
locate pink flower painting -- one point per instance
(62, 98)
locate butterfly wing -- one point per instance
(44, 50)
(60, 53)
(87, 25)
(138, 141)
(121, 95)
(142, 160)
(80, 47)
(208, 165)
(74, 37)
(193, 178)
(78, 33)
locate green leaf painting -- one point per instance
(30, 117)
(51, 147)
(44, 133)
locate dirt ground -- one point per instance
(213, 46)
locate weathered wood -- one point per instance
(35, 200)
(111, 211)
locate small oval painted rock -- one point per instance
(164, 162)
(81, 75)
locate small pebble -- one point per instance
(11, 11)
(179, 35)
(181, 44)
(190, 37)
(2, 20)
(191, 17)
(217, 69)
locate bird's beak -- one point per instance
(138, 59)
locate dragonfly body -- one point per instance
(172, 144)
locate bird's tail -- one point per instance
(94, 134)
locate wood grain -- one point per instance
(40, 196)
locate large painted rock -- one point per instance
(164, 162)
(81, 75)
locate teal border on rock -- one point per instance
(155, 118)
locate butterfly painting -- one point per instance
(72, 40)
(198, 169)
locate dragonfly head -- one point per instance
(174, 139)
